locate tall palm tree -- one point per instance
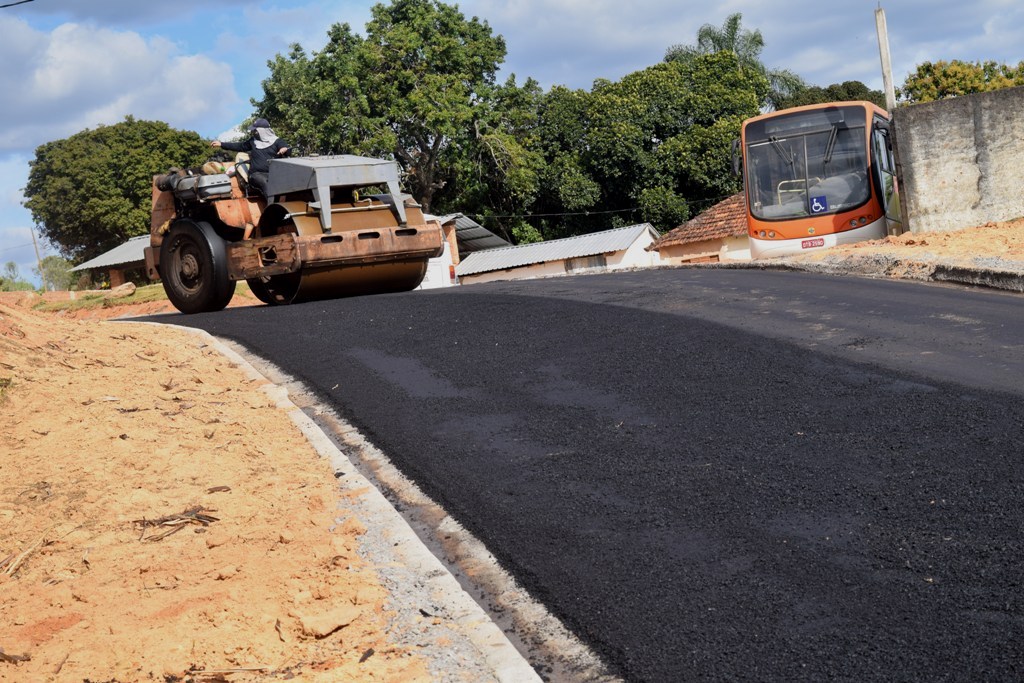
(747, 46)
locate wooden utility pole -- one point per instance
(883, 50)
(39, 261)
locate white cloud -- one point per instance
(79, 76)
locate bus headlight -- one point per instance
(853, 223)
(761, 234)
(771, 234)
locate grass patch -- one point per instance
(143, 295)
(90, 300)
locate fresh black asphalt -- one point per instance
(708, 474)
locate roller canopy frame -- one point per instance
(320, 174)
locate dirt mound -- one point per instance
(1003, 241)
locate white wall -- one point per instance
(438, 274)
(635, 256)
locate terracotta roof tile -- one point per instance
(728, 218)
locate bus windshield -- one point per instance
(807, 163)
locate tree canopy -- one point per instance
(837, 92)
(411, 88)
(55, 273)
(937, 80)
(420, 86)
(92, 191)
(644, 148)
(10, 279)
(747, 46)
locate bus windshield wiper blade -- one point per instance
(830, 146)
(782, 151)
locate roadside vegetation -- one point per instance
(95, 299)
(98, 299)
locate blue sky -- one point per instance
(69, 65)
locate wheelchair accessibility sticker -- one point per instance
(819, 204)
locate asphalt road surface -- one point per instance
(709, 474)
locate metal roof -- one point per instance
(554, 250)
(472, 236)
(129, 252)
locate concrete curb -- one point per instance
(1009, 278)
(495, 653)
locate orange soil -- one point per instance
(110, 428)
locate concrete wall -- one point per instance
(960, 160)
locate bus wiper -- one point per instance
(782, 151)
(830, 146)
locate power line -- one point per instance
(19, 246)
(12, 4)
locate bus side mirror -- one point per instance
(736, 156)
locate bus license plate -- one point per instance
(810, 244)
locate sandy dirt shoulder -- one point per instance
(160, 518)
(997, 246)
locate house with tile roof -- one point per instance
(718, 234)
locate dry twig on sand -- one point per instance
(13, 659)
(175, 523)
(13, 566)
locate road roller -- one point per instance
(330, 226)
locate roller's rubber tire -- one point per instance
(194, 267)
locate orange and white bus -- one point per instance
(818, 176)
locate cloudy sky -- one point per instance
(69, 65)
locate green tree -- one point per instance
(848, 91)
(10, 279)
(566, 184)
(497, 171)
(938, 80)
(747, 46)
(319, 102)
(645, 147)
(92, 191)
(55, 273)
(412, 88)
(426, 66)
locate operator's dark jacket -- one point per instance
(259, 159)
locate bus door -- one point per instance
(885, 167)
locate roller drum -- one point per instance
(331, 283)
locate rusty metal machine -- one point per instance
(331, 227)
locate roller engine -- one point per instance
(332, 226)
